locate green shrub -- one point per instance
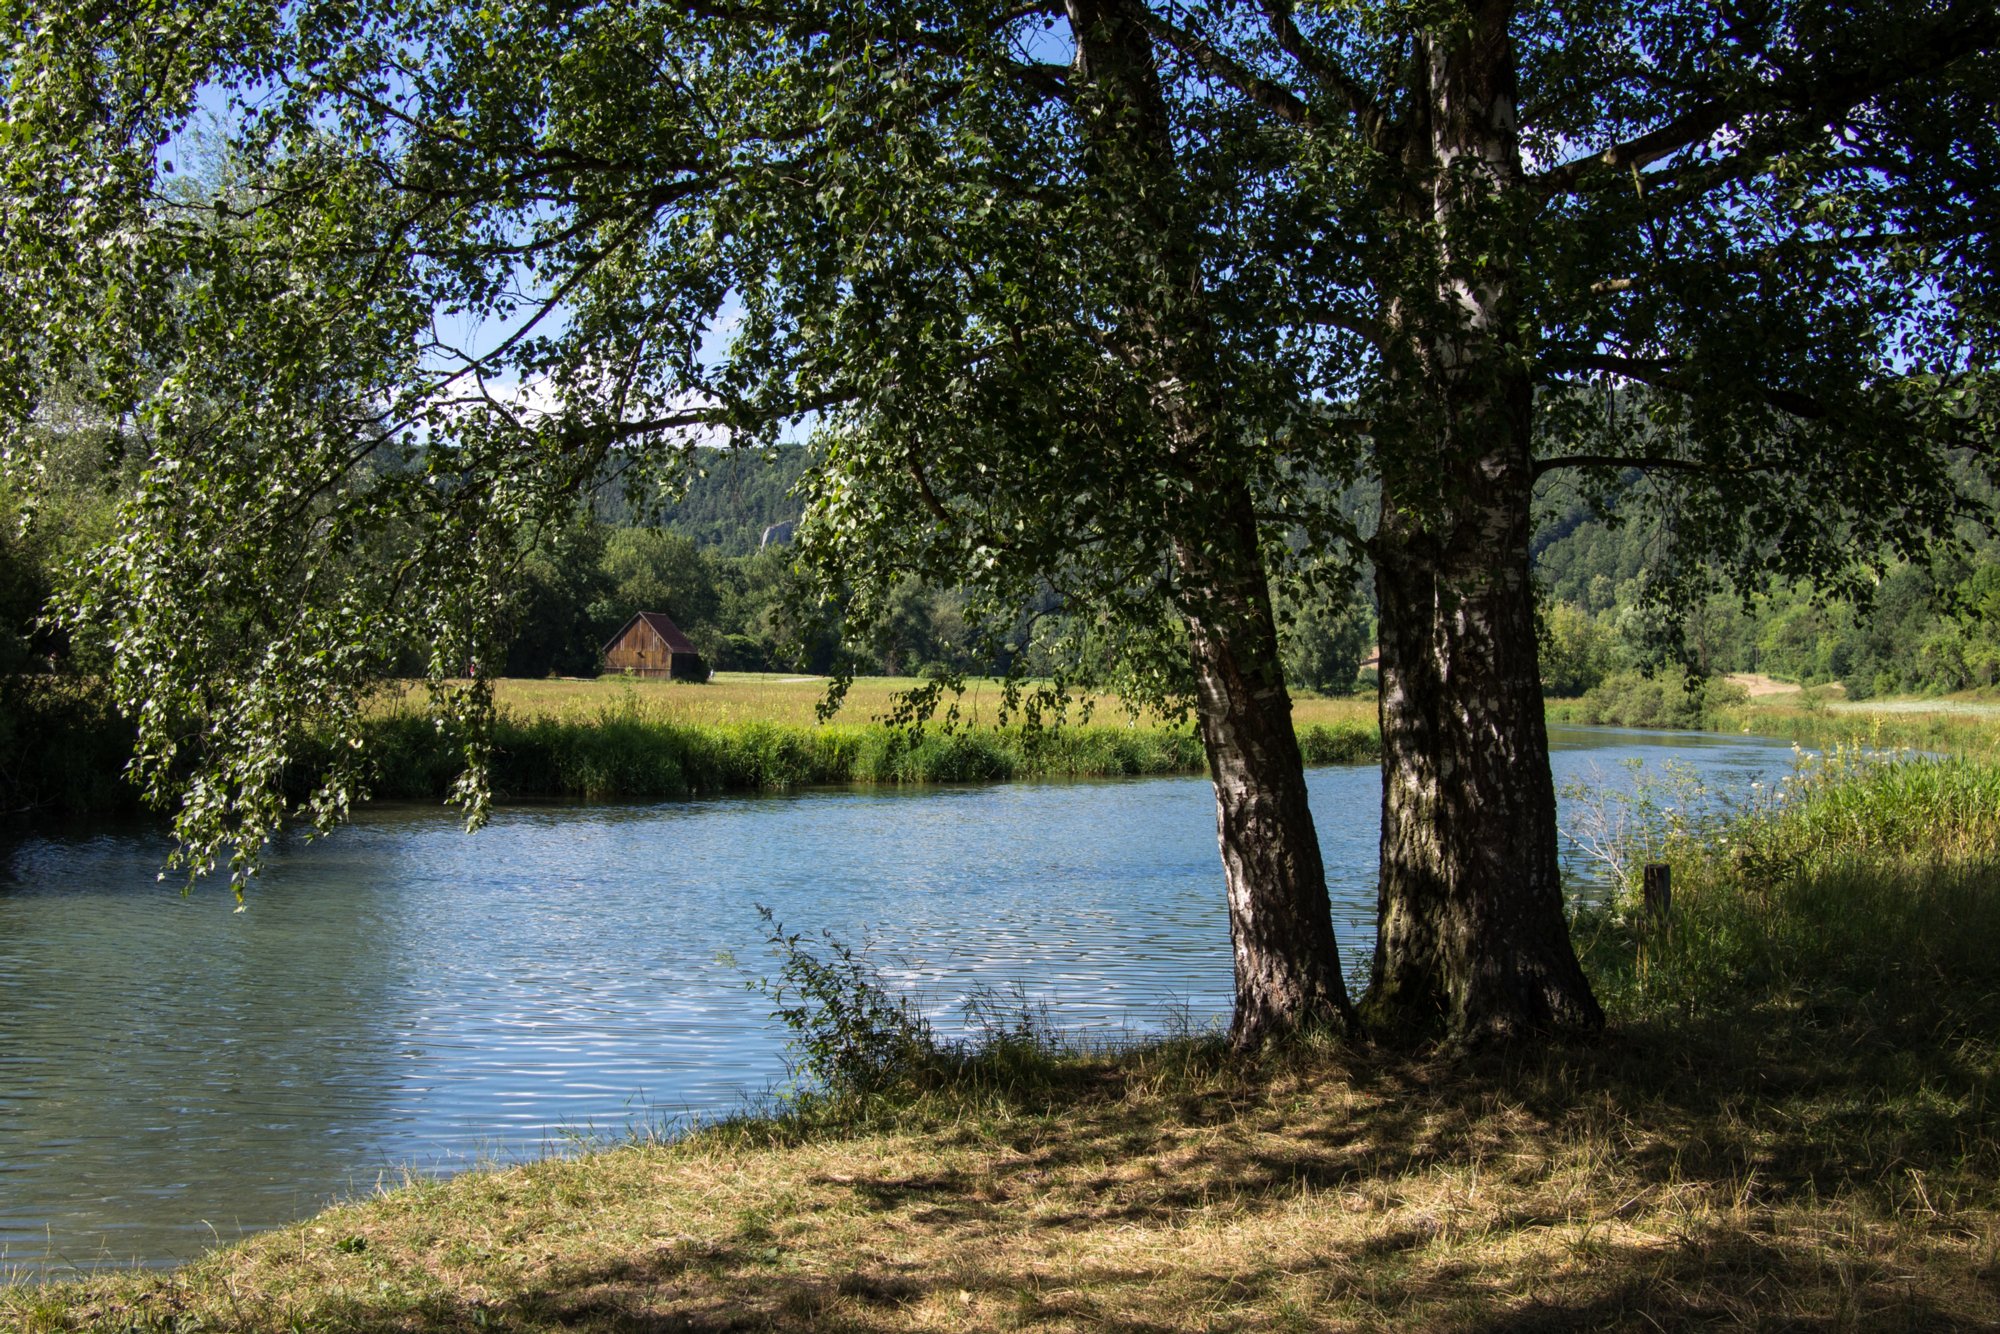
(1668, 698)
(1350, 743)
(63, 749)
(850, 1032)
(853, 1035)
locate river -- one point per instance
(404, 998)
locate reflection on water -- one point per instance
(404, 997)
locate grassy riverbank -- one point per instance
(618, 740)
(622, 740)
(1920, 724)
(1792, 1124)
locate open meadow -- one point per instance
(791, 698)
(621, 739)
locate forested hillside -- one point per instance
(1917, 630)
(733, 498)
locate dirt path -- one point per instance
(1758, 685)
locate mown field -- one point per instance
(773, 697)
(1792, 1123)
(620, 739)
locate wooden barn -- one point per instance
(652, 645)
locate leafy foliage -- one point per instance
(1669, 697)
(850, 1032)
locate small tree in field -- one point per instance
(1105, 298)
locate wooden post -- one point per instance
(1659, 891)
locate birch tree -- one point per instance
(1104, 300)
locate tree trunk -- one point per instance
(1280, 920)
(1472, 941)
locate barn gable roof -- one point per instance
(663, 626)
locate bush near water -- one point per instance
(1669, 697)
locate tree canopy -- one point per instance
(1104, 301)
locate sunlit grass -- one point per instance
(791, 698)
(731, 697)
(1943, 728)
(621, 738)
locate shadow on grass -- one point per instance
(1779, 1166)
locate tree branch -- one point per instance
(924, 492)
(1275, 98)
(1684, 131)
(1668, 375)
(1051, 78)
(1354, 324)
(1817, 96)
(1278, 14)
(1644, 461)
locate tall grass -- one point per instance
(64, 749)
(1864, 875)
(629, 752)
(1815, 724)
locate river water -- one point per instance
(406, 998)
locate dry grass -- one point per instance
(745, 697)
(1622, 1186)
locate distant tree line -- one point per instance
(1916, 630)
(701, 558)
(717, 560)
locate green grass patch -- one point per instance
(1815, 723)
(1867, 876)
(629, 754)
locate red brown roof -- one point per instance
(663, 626)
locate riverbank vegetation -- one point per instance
(614, 741)
(706, 556)
(1968, 728)
(1790, 1121)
